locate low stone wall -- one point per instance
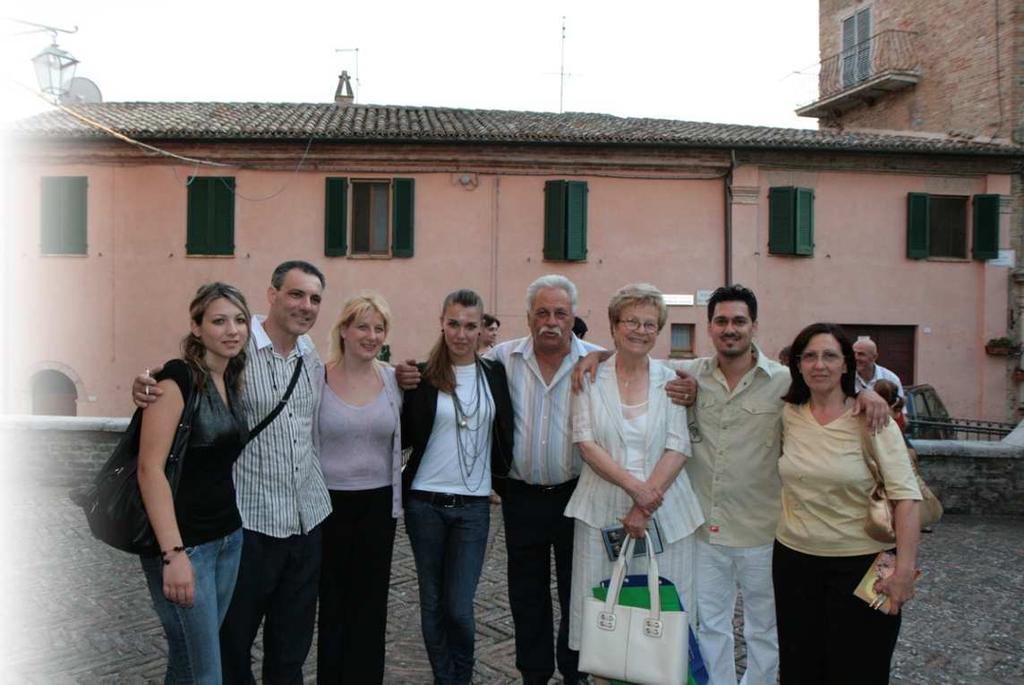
(57, 450)
(977, 478)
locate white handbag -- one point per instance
(641, 646)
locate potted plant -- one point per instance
(1001, 347)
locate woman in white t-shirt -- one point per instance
(458, 422)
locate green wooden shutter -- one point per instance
(336, 217)
(986, 227)
(554, 219)
(576, 220)
(804, 210)
(781, 220)
(211, 215)
(403, 202)
(224, 216)
(198, 218)
(64, 215)
(917, 225)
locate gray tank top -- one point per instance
(356, 442)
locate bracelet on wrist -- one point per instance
(166, 554)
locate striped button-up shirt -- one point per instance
(278, 481)
(544, 453)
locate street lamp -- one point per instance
(54, 70)
(54, 67)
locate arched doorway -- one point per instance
(53, 394)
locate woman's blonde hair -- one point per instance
(355, 307)
(193, 351)
(637, 294)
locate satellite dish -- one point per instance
(82, 91)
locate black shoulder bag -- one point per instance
(113, 503)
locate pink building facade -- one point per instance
(686, 210)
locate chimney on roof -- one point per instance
(343, 95)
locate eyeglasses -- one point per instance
(827, 357)
(634, 325)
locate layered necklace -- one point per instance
(472, 429)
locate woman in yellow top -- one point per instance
(826, 634)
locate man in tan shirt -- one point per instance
(736, 436)
(735, 430)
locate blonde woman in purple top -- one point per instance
(359, 443)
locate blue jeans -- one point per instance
(448, 544)
(193, 647)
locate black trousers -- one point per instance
(358, 538)
(826, 635)
(534, 527)
(278, 580)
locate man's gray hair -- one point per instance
(551, 281)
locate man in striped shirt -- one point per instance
(280, 489)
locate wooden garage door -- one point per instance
(895, 346)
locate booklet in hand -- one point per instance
(615, 536)
(883, 566)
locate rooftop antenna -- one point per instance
(561, 72)
(355, 50)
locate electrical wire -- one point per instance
(120, 136)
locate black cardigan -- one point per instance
(420, 405)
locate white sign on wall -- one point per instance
(1005, 258)
(678, 300)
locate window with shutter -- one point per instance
(211, 215)
(371, 215)
(937, 226)
(565, 220)
(947, 226)
(791, 221)
(856, 47)
(682, 340)
(63, 215)
(336, 217)
(382, 219)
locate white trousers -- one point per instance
(719, 570)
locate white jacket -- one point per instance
(597, 417)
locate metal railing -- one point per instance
(884, 52)
(957, 429)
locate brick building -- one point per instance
(949, 68)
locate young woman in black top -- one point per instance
(458, 422)
(199, 527)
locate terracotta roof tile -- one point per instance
(261, 121)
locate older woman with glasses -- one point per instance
(826, 634)
(634, 443)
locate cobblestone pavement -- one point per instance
(74, 611)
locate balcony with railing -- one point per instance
(882, 64)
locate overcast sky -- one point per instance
(731, 61)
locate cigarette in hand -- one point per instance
(147, 387)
